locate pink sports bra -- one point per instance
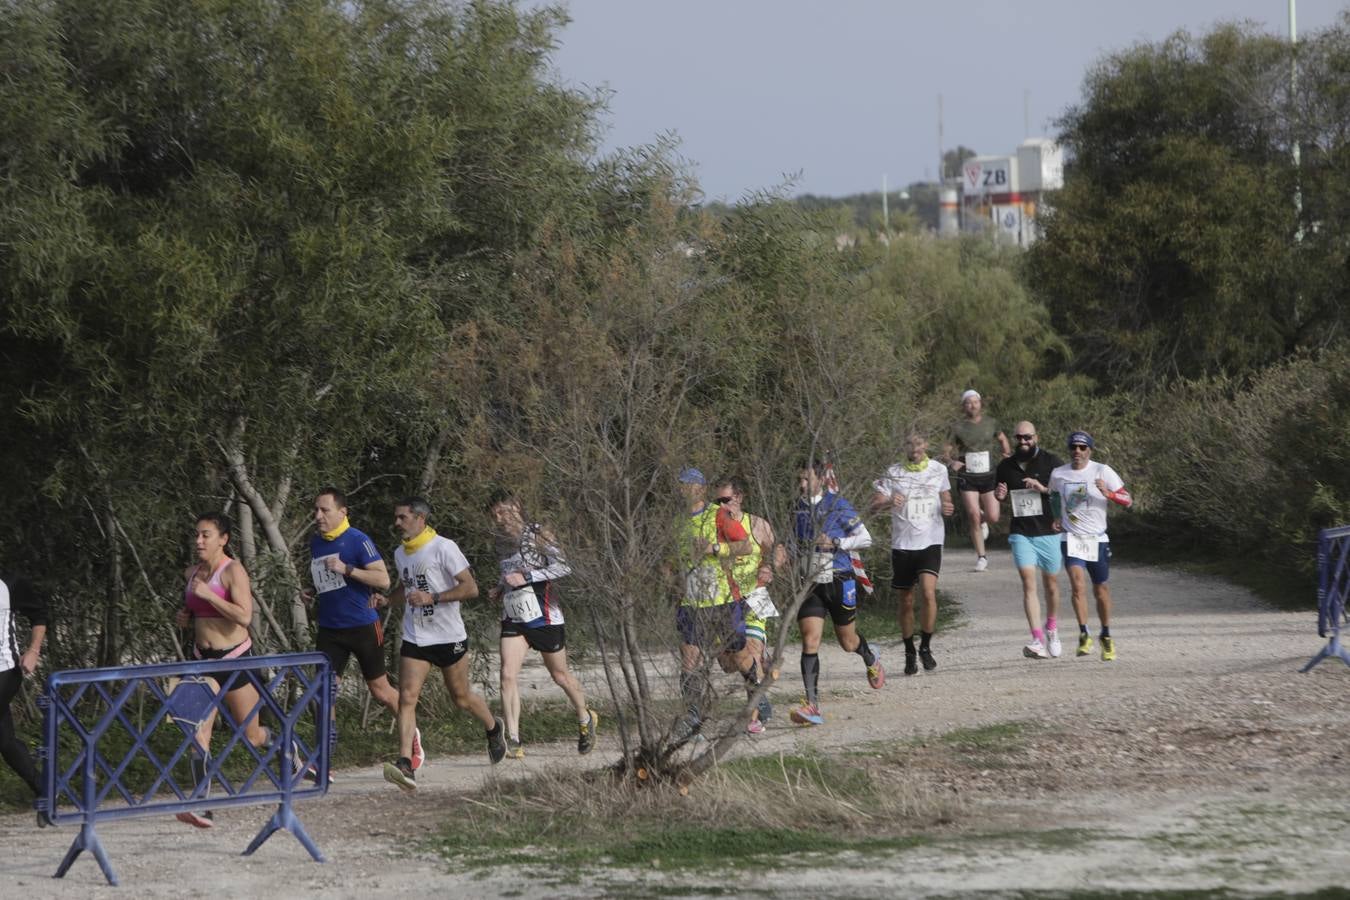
(199, 607)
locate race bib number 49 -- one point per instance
(1026, 503)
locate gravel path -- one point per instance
(1199, 760)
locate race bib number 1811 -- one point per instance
(522, 604)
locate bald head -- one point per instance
(1024, 439)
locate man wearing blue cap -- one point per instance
(1085, 488)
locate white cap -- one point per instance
(968, 394)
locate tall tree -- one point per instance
(1175, 248)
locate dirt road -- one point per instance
(1200, 759)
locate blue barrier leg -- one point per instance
(87, 840)
(285, 818)
(1332, 649)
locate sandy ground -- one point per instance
(1199, 760)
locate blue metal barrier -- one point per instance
(87, 707)
(1333, 584)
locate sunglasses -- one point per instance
(1083, 447)
(722, 500)
(1025, 437)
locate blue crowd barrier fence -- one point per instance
(121, 742)
(1333, 584)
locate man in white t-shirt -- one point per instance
(918, 493)
(1085, 489)
(433, 578)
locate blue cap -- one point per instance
(692, 476)
(1081, 437)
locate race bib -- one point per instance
(1026, 503)
(822, 567)
(522, 604)
(760, 604)
(325, 579)
(978, 463)
(701, 583)
(1084, 548)
(920, 509)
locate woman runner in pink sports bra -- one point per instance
(218, 604)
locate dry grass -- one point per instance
(745, 808)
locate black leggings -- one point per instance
(13, 749)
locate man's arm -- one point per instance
(373, 574)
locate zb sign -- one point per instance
(989, 176)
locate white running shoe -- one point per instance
(1035, 650)
(984, 531)
(1052, 642)
(981, 563)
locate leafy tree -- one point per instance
(236, 236)
(1174, 248)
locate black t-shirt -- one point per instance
(1011, 472)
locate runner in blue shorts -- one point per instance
(1085, 489)
(1024, 479)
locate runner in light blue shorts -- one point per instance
(1041, 551)
(1023, 481)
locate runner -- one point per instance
(17, 595)
(347, 569)
(530, 562)
(1084, 487)
(433, 578)
(218, 605)
(976, 446)
(918, 493)
(710, 623)
(826, 529)
(1025, 478)
(745, 578)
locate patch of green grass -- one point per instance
(1050, 839)
(818, 771)
(677, 846)
(1283, 587)
(1000, 737)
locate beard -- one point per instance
(1025, 452)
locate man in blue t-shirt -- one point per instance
(826, 528)
(346, 568)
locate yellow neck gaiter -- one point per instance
(412, 546)
(918, 466)
(336, 532)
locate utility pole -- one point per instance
(942, 162)
(885, 210)
(1293, 92)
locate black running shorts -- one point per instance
(442, 656)
(544, 638)
(365, 642)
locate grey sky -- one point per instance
(845, 91)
